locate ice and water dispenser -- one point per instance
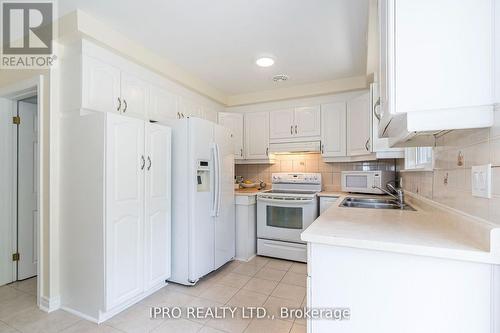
(203, 176)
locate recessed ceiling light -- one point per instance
(265, 62)
(280, 78)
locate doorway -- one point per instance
(20, 172)
(27, 188)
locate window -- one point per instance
(419, 158)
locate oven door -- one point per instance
(285, 218)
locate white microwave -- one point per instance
(366, 181)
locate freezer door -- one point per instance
(225, 219)
(202, 224)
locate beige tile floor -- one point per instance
(266, 282)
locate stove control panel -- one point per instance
(296, 178)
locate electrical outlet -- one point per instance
(481, 181)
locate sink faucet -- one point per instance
(399, 196)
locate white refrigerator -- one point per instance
(203, 221)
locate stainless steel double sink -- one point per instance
(375, 203)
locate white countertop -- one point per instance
(432, 230)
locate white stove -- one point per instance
(284, 212)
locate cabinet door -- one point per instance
(234, 121)
(162, 104)
(307, 121)
(100, 86)
(124, 224)
(333, 129)
(281, 124)
(211, 115)
(158, 213)
(257, 135)
(189, 108)
(135, 93)
(359, 125)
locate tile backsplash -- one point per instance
(450, 181)
(330, 172)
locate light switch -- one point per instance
(481, 181)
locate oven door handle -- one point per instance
(292, 201)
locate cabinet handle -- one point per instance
(241, 152)
(295, 129)
(377, 104)
(143, 162)
(149, 163)
(291, 129)
(125, 107)
(322, 148)
(119, 104)
(267, 151)
(178, 115)
(367, 144)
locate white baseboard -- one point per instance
(49, 304)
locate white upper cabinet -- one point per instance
(134, 95)
(307, 121)
(333, 129)
(281, 124)
(100, 86)
(162, 104)
(257, 135)
(436, 66)
(380, 146)
(188, 108)
(359, 125)
(300, 122)
(108, 89)
(234, 121)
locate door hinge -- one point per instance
(15, 256)
(16, 120)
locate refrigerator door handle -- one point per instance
(215, 190)
(219, 180)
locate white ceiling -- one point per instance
(219, 40)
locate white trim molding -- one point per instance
(50, 304)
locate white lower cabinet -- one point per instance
(388, 292)
(246, 227)
(115, 220)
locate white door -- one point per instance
(333, 129)
(125, 164)
(307, 121)
(257, 135)
(359, 125)
(225, 228)
(162, 104)
(157, 205)
(135, 93)
(281, 124)
(27, 189)
(100, 86)
(234, 122)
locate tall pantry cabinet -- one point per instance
(115, 204)
(115, 212)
